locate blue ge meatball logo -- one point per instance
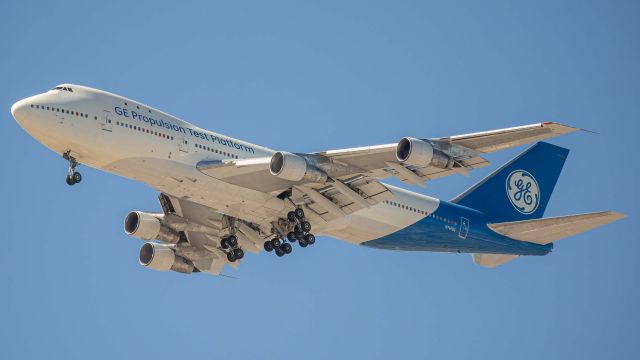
(523, 191)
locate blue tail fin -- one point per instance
(521, 189)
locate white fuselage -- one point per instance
(125, 137)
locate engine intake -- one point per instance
(288, 166)
(416, 152)
(162, 258)
(147, 226)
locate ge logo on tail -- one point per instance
(523, 191)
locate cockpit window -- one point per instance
(64, 88)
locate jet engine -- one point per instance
(293, 167)
(162, 258)
(417, 152)
(147, 226)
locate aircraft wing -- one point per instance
(352, 175)
(381, 160)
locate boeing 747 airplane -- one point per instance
(221, 197)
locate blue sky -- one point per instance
(309, 76)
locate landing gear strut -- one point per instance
(73, 177)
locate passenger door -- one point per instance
(183, 144)
(464, 228)
(106, 122)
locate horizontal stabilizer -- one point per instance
(492, 260)
(548, 230)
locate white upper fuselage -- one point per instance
(125, 137)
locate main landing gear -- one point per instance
(300, 233)
(230, 243)
(73, 177)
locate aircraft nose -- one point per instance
(18, 110)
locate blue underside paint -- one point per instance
(431, 234)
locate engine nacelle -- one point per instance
(162, 258)
(147, 226)
(416, 152)
(288, 166)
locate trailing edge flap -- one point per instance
(548, 230)
(492, 260)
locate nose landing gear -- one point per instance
(73, 177)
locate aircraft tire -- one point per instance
(267, 246)
(287, 248)
(231, 257)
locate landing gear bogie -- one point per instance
(234, 253)
(295, 228)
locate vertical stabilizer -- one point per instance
(521, 189)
